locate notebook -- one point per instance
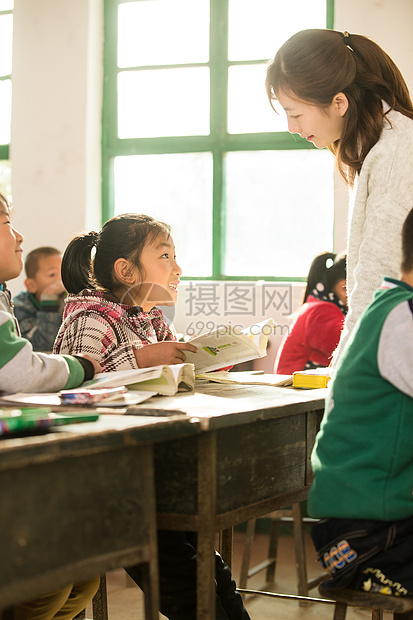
(32, 421)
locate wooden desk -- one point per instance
(80, 501)
(252, 457)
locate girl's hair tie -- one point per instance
(94, 236)
(347, 39)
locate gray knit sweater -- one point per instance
(379, 205)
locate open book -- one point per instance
(142, 383)
(55, 402)
(227, 346)
(164, 379)
(248, 378)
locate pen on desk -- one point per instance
(257, 372)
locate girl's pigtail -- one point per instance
(77, 263)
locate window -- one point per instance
(190, 138)
(6, 39)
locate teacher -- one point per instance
(343, 92)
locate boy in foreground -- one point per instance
(21, 370)
(363, 457)
(39, 309)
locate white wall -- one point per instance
(57, 76)
(56, 119)
(388, 23)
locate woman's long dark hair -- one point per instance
(123, 236)
(315, 65)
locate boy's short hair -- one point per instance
(407, 244)
(31, 264)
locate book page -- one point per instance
(174, 377)
(248, 378)
(44, 399)
(184, 376)
(220, 348)
(124, 377)
(259, 333)
(227, 346)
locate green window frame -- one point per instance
(6, 9)
(5, 148)
(218, 142)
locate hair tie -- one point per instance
(347, 39)
(95, 236)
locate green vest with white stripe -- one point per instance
(363, 457)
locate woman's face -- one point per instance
(321, 126)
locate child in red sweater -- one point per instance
(315, 331)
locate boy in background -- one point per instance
(39, 308)
(363, 457)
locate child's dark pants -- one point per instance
(177, 574)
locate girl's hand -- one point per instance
(167, 352)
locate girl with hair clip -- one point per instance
(345, 93)
(111, 314)
(315, 331)
(111, 311)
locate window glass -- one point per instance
(6, 37)
(249, 110)
(161, 32)
(190, 137)
(5, 111)
(276, 225)
(163, 102)
(6, 5)
(5, 178)
(177, 189)
(257, 29)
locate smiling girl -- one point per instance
(344, 92)
(111, 314)
(111, 310)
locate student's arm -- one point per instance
(395, 350)
(166, 352)
(21, 370)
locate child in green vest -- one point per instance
(363, 457)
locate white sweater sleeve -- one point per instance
(378, 255)
(22, 370)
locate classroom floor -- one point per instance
(125, 599)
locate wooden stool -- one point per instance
(294, 515)
(401, 607)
